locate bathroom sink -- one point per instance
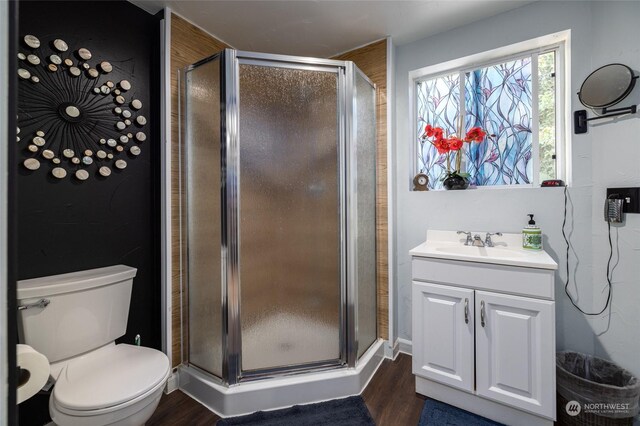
(481, 251)
(507, 250)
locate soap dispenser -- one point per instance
(532, 235)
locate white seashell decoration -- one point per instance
(60, 45)
(33, 59)
(104, 171)
(23, 74)
(84, 53)
(82, 174)
(31, 164)
(106, 67)
(81, 104)
(59, 172)
(32, 41)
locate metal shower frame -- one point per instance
(230, 61)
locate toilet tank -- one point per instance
(86, 310)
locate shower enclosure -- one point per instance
(277, 215)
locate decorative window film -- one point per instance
(513, 100)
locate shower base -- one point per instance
(270, 394)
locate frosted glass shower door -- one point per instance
(365, 194)
(201, 212)
(289, 216)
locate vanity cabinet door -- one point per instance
(515, 351)
(443, 334)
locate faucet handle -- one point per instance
(487, 239)
(469, 238)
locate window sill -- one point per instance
(493, 188)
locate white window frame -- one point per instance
(558, 42)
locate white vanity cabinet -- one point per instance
(484, 337)
(445, 315)
(515, 351)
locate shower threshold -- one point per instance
(281, 392)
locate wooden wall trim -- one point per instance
(372, 60)
(189, 44)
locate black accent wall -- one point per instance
(67, 225)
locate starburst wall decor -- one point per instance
(72, 118)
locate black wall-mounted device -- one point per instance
(630, 197)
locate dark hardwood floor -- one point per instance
(390, 397)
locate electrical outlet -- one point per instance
(631, 197)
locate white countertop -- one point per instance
(507, 250)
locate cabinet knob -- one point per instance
(482, 313)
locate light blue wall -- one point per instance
(600, 33)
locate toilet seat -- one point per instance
(109, 379)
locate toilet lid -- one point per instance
(110, 376)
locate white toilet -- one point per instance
(74, 319)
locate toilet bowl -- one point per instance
(97, 382)
(114, 385)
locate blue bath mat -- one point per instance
(350, 411)
(438, 413)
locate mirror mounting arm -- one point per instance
(580, 119)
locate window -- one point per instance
(515, 97)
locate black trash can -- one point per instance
(606, 394)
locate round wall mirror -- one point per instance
(607, 86)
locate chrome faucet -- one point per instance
(469, 239)
(477, 241)
(487, 239)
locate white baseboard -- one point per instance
(391, 352)
(405, 346)
(172, 383)
(280, 392)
